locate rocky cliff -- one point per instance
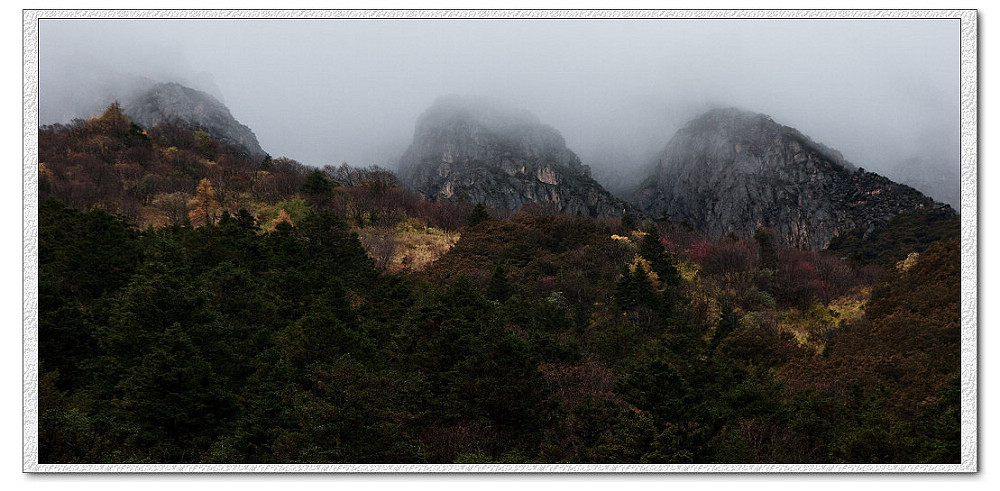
(733, 171)
(174, 103)
(480, 151)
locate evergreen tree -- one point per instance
(661, 262)
(634, 290)
(768, 253)
(728, 323)
(628, 223)
(498, 288)
(478, 215)
(317, 187)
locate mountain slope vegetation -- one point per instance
(275, 313)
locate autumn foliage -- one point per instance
(195, 307)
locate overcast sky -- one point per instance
(885, 92)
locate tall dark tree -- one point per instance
(651, 249)
(767, 250)
(478, 215)
(317, 187)
(498, 288)
(628, 222)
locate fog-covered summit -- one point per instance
(490, 126)
(484, 111)
(169, 102)
(733, 171)
(749, 134)
(478, 150)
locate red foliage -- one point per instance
(730, 257)
(548, 282)
(815, 275)
(701, 250)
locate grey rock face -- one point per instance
(478, 151)
(184, 106)
(732, 171)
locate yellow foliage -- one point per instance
(203, 206)
(283, 216)
(850, 307)
(688, 270)
(706, 305)
(640, 262)
(417, 247)
(809, 326)
(758, 319)
(909, 262)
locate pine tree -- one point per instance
(728, 323)
(661, 262)
(478, 215)
(498, 288)
(628, 223)
(634, 289)
(318, 188)
(113, 120)
(768, 253)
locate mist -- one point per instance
(884, 92)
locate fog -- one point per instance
(885, 92)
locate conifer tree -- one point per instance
(478, 215)
(768, 253)
(498, 288)
(651, 249)
(628, 223)
(113, 120)
(728, 323)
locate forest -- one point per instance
(199, 307)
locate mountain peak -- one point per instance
(751, 130)
(733, 171)
(171, 102)
(479, 150)
(486, 111)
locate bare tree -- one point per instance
(172, 206)
(380, 242)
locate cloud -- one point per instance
(323, 91)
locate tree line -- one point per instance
(254, 321)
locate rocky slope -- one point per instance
(733, 171)
(174, 103)
(479, 151)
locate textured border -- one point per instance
(29, 217)
(969, 216)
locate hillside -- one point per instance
(196, 306)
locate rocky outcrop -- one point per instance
(479, 151)
(174, 103)
(733, 171)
